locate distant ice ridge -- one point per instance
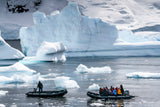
(129, 36)
(76, 32)
(65, 82)
(95, 70)
(93, 87)
(7, 52)
(145, 75)
(17, 73)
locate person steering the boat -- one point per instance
(40, 86)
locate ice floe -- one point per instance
(18, 73)
(65, 82)
(93, 87)
(2, 93)
(145, 75)
(95, 70)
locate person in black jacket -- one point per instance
(122, 90)
(40, 86)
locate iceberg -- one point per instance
(18, 73)
(94, 70)
(75, 31)
(145, 75)
(93, 87)
(84, 36)
(7, 52)
(51, 52)
(65, 82)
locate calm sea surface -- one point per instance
(146, 90)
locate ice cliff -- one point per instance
(76, 32)
(7, 52)
(84, 36)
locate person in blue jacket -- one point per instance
(114, 92)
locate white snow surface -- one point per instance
(93, 87)
(65, 82)
(76, 32)
(7, 52)
(94, 70)
(17, 73)
(51, 52)
(145, 75)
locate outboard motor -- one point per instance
(126, 92)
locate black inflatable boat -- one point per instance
(58, 93)
(98, 96)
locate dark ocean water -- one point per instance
(146, 90)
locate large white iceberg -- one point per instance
(84, 36)
(65, 82)
(94, 70)
(76, 32)
(145, 75)
(18, 73)
(7, 52)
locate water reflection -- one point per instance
(108, 103)
(44, 102)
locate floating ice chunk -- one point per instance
(2, 105)
(145, 75)
(18, 73)
(17, 67)
(97, 105)
(51, 52)
(95, 70)
(7, 52)
(2, 93)
(20, 78)
(65, 82)
(93, 87)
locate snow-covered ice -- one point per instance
(51, 52)
(94, 70)
(7, 52)
(76, 32)
(65, 82)
(18, 73)
(145, 75)
(93, 87)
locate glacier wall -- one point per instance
(76, 32)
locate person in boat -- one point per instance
(119, 92)
(107, 91)
(122, 90)
(114, 92)
(104, 92)
(100, 91)
(40, 86)
(111, 89)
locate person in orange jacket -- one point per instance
(119, 91)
